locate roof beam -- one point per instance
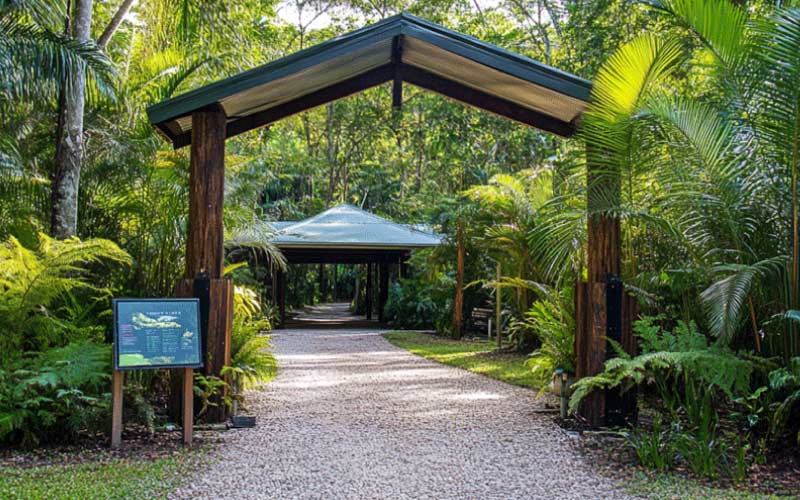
(449, 88)
(371, 78)
(397, 83)
(324, 255)
(397, 73)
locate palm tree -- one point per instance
(35, 58)
(724, 153)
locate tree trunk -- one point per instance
(69, 143)
(113, 25)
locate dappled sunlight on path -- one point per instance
(350, 417)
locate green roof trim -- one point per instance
(404, 24)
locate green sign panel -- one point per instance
(157, 333)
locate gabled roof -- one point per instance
(347, 226)
(400, 48)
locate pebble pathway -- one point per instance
(350, 416)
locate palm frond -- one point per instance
(725, 298)
(34, 60)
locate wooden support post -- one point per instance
(498, 308)
(369, 292)
(204, 249)
(603, 261)
(335, 282)
(204, 245)
(116, 408)
(357, 289)
(458, 303)
(383, 289)
(281, 282)
(321, 279)
(188, 405)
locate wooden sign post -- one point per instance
(116, 407)
(155, 334)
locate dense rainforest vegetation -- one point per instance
(695, 112)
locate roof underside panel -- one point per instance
(429, 57)
(403, 47)
(307, 81)
(347, 226)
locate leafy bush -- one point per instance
(689, 375)
(654, 448)
(54, 395)
(669, 360)
(552, 321)
(784, 384)
(418, 303)
(251, 361)
(38, 308)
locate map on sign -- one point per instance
(156, 333)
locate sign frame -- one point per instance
(115, 303)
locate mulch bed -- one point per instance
(137, 444)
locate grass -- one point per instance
(475, 356)
(667, 486)
(130, 479)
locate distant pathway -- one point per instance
(352, 417)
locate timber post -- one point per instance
(498, 308)
(280, 291)
(204, 243)
(383, 289)
(458, 303)
(599, 312)
(368, 292)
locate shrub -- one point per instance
(669, 360)
(552, 321)
(37, 307)
(54, 395)
(251, 361)
(416, 303)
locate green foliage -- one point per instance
(785, 383)
(38, 308)
(654, 447)
(113, 479)
(250, 356)
(251, 362)
(419, 304)
(668, 359)
(209, 390)
(52, 396)
(34, 58)
(552, 321)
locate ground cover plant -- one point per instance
(117, 478)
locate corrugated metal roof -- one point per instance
(277, 225)
(403, 47)
(347, 226)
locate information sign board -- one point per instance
(157, 333)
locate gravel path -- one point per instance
(352, 417)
